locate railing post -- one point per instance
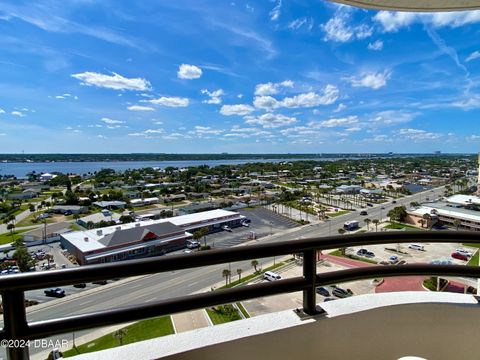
(15, 322)
(309, 273)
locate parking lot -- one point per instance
(430, 253)
(263, 223)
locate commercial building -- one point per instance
(143, 239)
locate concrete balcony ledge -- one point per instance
(374, 326)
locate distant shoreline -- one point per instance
(46, 158)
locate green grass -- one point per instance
(252, 276)
(243, 310)
(29, 220)
(474, 259)
(399, 226)
(219, 316)
(472, 245)
(6, 238)
(337, 213)
(142, 330)
(21, 209)
(76, 227)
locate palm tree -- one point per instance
(421, 222)
(239, 272)
(254, 264)
(367, 221)
(428, 219)
(457, 223)
(120, 334)
(376, 222)
(226, 274)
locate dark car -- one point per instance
(322, 291)
(459, 256)
(329, 299)
(100, 282)
(363, 212)
(362, 252)
(341, 293)
(394, 201)
(369, 254)
(55, 292)
(368, 204)
(80, 286)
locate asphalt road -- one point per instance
(177, 283)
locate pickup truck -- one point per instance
(59, 293)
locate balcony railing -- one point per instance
(13, 287)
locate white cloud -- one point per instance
(115, 81)
(2, 111)
(189, 72)
(207, 130)
(17, 113)
(136, 134)
(140, 108)
(417, 134)
(238, 109)
(173, 136)
(340, 107)
(3, 134)
(376, 45)
(215, 96)
(474, 55)
(272, 88)
(329, 96)
(468, 138)
(59, 97)
(353, 129)
(336, 29)
(371, 80)
(111, 121)
(270, 120)
(336, 122)
(275, 12)
(170, 101)
(101, 137)
(393, 21)
(300, 22)
(392, 117)
(154, 131)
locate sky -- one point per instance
(264, 76)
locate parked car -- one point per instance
(341, 293)
(191, 244)
(100, 282)
(363, 212)
(394, 201)
(458, 256)
(80, 285)
(362, 252)
(393, 259)
(245, 224)
(322, 291)
(329, 299)
(59, 293)
(464, 252)
(226, 228)
(368, 204)
(369, 254)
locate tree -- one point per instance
(31, 207)
(421, 222)
(457, 223)
(21, 256)
(239, 272)
(367, 222)
(120, 334)
(341, 231)
(124, 219)
(205, 232)
(254, 264)
(376, 222)
(226, 274)
(428, 220)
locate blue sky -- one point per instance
(235, 76)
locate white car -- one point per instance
(464, 252)
(226, 228)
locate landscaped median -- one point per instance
(8, 238)
(142, 330)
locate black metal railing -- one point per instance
(13, 287)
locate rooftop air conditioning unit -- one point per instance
(137, 225)
(86, 239)
(118, 228)
(99, 232)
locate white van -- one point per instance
(271, 276)
(416, 247)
